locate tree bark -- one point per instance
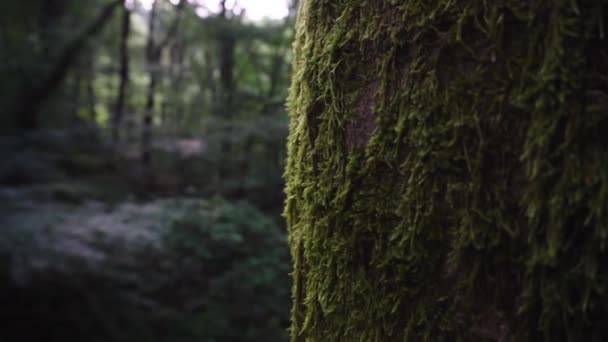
(447, 176)
(119, 110)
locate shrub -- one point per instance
(236, 260)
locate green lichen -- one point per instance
(477, 209)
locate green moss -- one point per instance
(478, 206)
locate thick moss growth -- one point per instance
(447, 175)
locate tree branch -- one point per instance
(29, 104)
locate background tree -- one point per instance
(123, 73)
(97, 245)
(154, 51)
(447, 171)
(27, 107)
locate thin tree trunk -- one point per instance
(153, 54)
(29, 104)
(447, 177)
(209, 78)
(225, 106)
(90, 88)
(152, 60)
(119, 110)
(178, 53)
(226, 47)
(76, 93)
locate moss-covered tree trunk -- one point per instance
(448, 171)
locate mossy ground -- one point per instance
(447, 175)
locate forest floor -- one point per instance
(52, 234)
(73, 222)
(84, 244)
(64, 201)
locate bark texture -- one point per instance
(447, 176)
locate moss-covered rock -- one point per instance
(448, 171)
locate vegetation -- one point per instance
(143, 146)
(447, 171)
(445, 166)
(170, 270)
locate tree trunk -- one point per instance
(119, 110)
(227, 46)
(153, 59)
(173, 101)
(178, 55)
(152, 62)
(28, 105)
(224, 105)
(90, 87)
(447, 176)
(52, 12)
(76, 93)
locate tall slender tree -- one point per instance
(154, 51)
(91, 73)
(176, 72)
(122, 98)
(224, 104)
(447, 177)
(227, 46)
(76, 85)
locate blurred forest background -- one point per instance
(142, 151)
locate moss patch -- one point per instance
(474, 206)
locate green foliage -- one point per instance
(217, 271)
(238, 259)
(447, 171)
(251, 170)
(184, 270)
(33, 34)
